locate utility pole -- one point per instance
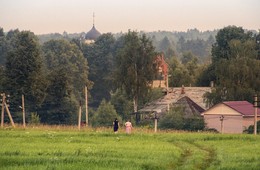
(79, 120)
(221, 120)
(9, 114)
(155, 121)
(23, 109)
(4, 105)
(255, 120)
(3, 110)
(86, 100)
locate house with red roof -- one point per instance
(230, 116)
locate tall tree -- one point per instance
(24, 70)
(234, 66)
(67, 75)
(3, 47)
(101, 62)
(135, 66)
(221, 48)
(179, 74)
(121, 103)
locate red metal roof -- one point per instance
(243, 107)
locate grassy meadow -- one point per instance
(67, 148)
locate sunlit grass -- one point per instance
(65, 147)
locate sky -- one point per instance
(76, 16)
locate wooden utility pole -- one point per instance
(255, 120)
(86, 102)
(79, 120)
(3, 110)
(155, 122)
(221, 120)
(9, 114)
(4, 105)
(23, 109)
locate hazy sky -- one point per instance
(75, 16)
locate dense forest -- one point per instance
(52, 70)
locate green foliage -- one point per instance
(175, 119)
(105, 115)
(101, 62)
(167, 47)
(24, 70)
(122, 104)
(135, 65)
(179, 74)
(153, 94)
(59, 148)
(3, 47)
(67, 76)
(235, 67)
(35, 119)
(221, 49)
(250, 129)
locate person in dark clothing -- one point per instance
(116, 125)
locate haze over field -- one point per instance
(50, 16)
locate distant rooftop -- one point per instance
(193, 95)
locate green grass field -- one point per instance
(68, 148)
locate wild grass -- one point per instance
(63, 147)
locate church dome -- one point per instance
(93, 34)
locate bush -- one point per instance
(35, 119)
(105, 115)
(250, 129)
(175, 119)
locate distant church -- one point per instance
(93, 34)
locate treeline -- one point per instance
(52, 76)
(197, 42)
(118, 69)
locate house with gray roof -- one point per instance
(190, 98)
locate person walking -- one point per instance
(116, 125)
(128, 127)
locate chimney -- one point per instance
(182, 90)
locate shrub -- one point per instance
(105, 115)
(175, 119)
(250, 129)
(35, 119)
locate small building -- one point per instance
(230, 116)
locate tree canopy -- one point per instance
(24, 70)
(234, 67)
(67, 75)
(101, 61)
(135, 66)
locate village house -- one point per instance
(191, 98)
(230, 116)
